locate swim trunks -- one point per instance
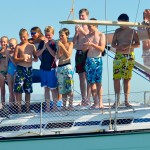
(48, 78)
(123, 65)
(65, 79)
(11, 68)
(23, 80)
(80, 59)
(94, 69)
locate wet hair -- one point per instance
(84, 10)
(94, 19)
(123, 17)
(65, 30)
(38, 30)
(22, 31)
(49, 29)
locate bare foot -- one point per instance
(64, 108)
(127, 104)
(114, 105)
(85, 102)
(95, 106)
(54, 109)
(101, 106)
(70, 108)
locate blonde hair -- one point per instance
(22, 31)
(49, 29)
(13, 39)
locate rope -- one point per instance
(131, 41)
(71, 11)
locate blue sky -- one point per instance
(19, 14)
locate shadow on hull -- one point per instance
(36, 76)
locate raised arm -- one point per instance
(66, 51)
(41, 48)
(51, 51)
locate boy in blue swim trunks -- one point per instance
(24, 55)
(124, 41)
(47, 51)
(11, 70)
(95, 43)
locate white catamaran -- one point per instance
(82, 128)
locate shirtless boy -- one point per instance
(3, 66)
(64, 71)
(80, 58)
(124, 41)
(24, 55)
(95, 42)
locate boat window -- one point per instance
(59, 125)
(119, 121)
(10, 128)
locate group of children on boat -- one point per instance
(16, 63)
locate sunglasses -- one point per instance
(33, 33)
(11, 46)
(61, 35)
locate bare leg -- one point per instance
(64, 98)
(47, 98)
(70, 101)
(99, 94)
(94, 94)
(59, 96)
(117, 91)
(83, 88)
(126, 91)
(55, 98)
(88, 102)
(27, 101)
(10, 81)
(2, 86)
(18, 99)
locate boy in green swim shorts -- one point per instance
(124, 41)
